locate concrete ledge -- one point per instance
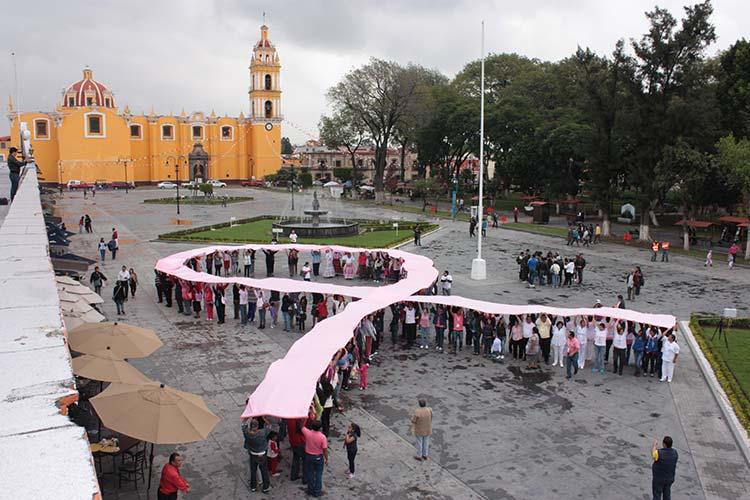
(42, 453)
(738, 431)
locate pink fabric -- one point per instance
(289, 384)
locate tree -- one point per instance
(426, 189)
(376, 94)
(286, 146)
(391, 179)
(733, 91)
(685, 170)
(305, 178)
(603, 102)
(734, 155)
(664, 72)
(343, 129)
(343, 174)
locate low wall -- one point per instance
(42, 453)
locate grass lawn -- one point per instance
(199, 200)
(730, 365)
(443, 214)
(259, 231)
(536, 228)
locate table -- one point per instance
(99, 450)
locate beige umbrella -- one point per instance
(79, 293)
(106, 366)
(91, 316)
(76, 306)
(154, 413)
(72, 322)
(126, 341)
(66, 280)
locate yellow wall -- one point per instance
(69, 154)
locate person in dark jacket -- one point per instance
(663, 469)
(14, 166)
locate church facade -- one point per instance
(89, 138)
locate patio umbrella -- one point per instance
(79, 292)
(66, 280)
(91, 316)
(331, 184)
(74, 306)
(154, 413)
(126, 341)
(106, 366)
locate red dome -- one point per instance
(88, 92)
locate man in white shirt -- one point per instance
(446, 282)
(410, 324)
(123, 278)
(669, 353)
(293, 236)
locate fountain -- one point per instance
(314, 228)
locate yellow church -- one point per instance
(89, 138)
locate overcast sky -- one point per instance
(194, 54)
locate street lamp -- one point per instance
(291, 183)
(177, 175)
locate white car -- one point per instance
(218, 184)
(166, 185)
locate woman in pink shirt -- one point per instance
(457, 330)
(572, 346)
(516, 337)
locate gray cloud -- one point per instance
(194, 54)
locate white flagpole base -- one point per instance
(478, 269)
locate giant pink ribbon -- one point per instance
(289, 384)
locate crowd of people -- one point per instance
(581, 234)
(567, 342)
(551, 269)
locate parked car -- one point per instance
(122, 185)
(253, 183)
(217, 184)
(74, 184)
(166, 185)
(190, 184)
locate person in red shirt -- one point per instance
(297, 442)
(171, 480)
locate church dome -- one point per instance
(88, 92)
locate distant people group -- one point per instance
(551, 269)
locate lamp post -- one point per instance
(125, 164)
(478, 265)
(291, 182)
(177, 176)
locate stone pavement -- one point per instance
(500, 431)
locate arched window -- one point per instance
(268, 82)
(136, 132)
(226, 133)
(269, 109)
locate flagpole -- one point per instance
(479, 265)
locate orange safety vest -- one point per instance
(665, 245)
(655, 246)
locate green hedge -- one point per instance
(199, 200)
(724, 373)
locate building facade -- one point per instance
(322, 160)
(89, 138)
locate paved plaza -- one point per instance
(501, 432)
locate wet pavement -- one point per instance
(501, 431)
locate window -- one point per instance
(3, 145)
(41, 129)
(107, 102)
(95, 125)
(269, 109)
(136, 132)
(89, 101)
(359, 162)
(167, 132)
(226, 133)
(338, 163)
(197, 132)
(71, 101)
(268, 82)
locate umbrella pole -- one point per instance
(150, 466)
(99, 424)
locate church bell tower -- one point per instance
(265, 107)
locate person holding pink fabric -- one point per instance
(457, 330)
(572, 346)
(208, 298)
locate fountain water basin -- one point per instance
(314, 228)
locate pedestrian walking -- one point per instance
(102, 250)
(118, 295)
(446, 283)
(654, 250)
(665, 251)
(133, 282)
(80, 225)
(97, 279)
(572, 348)
(421, 428)
(417, 235)
(709, 255)
(663, 469)
(171, 481)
